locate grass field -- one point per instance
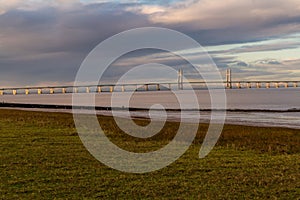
(42, 157)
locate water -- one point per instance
(256, 107)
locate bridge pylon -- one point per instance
(180, 79)
(228, 79)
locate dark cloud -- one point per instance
(50, 44)
(225, 62)
(241, 63)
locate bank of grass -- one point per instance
(42, 157)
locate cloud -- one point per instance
(7, 5)
(269, 70)
(218, 14)
(243, 64)
(50, 44)
(146, 9)
(268, 62)
(257, 47)
(232, 20)
(44, 41)
(31, 5)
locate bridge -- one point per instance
(179, 85)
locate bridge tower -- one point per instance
(180, 79)
(228, 79)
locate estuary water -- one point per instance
(255, 107)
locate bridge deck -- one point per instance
(147, 87)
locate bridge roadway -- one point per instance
(147, 87)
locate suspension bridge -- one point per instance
(176, 85)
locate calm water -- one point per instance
(271, 100)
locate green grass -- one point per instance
(42, 157)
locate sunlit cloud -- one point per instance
(31, 5)
(217, 14)
(147, 9)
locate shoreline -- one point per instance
(136, 114)
(70, 107)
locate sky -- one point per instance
(43, 42)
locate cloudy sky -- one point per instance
(43, 42)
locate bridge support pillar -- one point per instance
(258, 85)
(157, 87)
(277, 85)
(39, 91)
(123, 88)
(14, 92)
(27, 91)
(295, 84)
(99, 89)
(238, 85)
(111, 89)
(63, 90)
(75, 90)
(286, 85)
(267, 85)
(146, 87)
(249, 85)
(87, 90)
(51, 91)
(1, 92)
